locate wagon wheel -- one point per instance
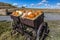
(39, 32)
(46, 31)
(42, 32)
(46, 27)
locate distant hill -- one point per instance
(6, 6)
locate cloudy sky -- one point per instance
(52, 4)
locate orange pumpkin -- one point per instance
(30, 10)
(15, 14)
(36, 14)
(31, 16)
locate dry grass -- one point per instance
(5, 31)
(54, 30)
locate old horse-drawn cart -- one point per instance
(31, 24)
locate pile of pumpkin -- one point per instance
(27, 13)
(17, 13)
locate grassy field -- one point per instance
(6, 29)
(54, 27)
(5, 32)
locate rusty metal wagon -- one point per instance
(33, 29)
